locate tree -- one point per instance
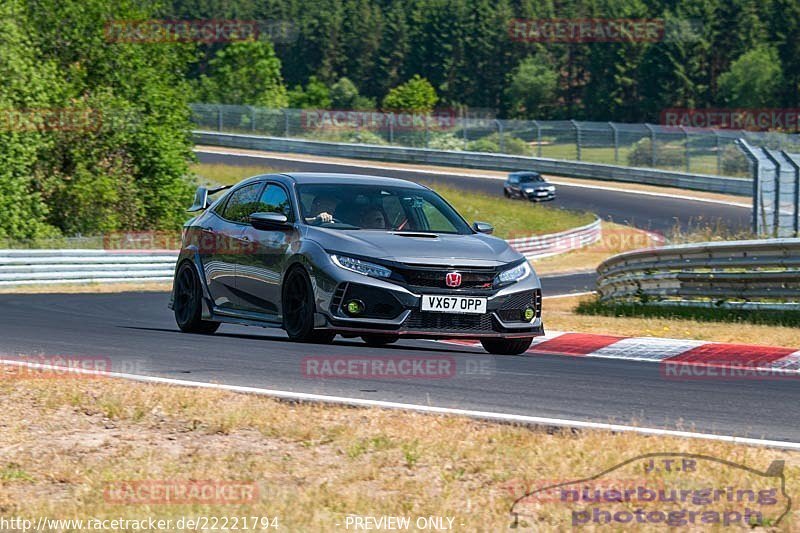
(344, 95)
(417, 94)
(531, 88)
(245, 72)
(316, 95)
(753, 79)
(127, 168)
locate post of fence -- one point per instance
(577, 139)
(219, 118)
(426, 134)
(464, 127)
(501, 141)
(796, 195)
(615, 134)
(538, 138)
(252, 118)
(686, 147)
(719, 152)
(391, 127)
(286, 122)
(652, 144)
(776, 213)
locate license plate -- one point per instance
(454, 304)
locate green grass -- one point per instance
(764, 317)
(221, 174)
(510, 218)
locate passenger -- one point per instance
(373, 218)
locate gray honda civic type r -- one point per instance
(359, 256)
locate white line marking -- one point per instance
(477, 176)
(357, 402)
(567, 295)
(645, 348)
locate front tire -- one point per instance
(507, 346)
(188, 306)
(379, 340)
(298, 309)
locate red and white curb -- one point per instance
(674, 354)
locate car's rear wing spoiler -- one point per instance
(201, 201)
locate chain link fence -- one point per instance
(691, 150)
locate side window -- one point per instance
(275, 200)
(242, 202)
(513, 180)
(395, 215)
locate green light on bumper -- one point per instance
(354, 307)
(529, 313)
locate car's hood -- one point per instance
(446, 250)
(536, 185)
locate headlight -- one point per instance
(551, 187)
(361, 267)
(518, 273)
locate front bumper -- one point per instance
(396, 310)
(540, 195)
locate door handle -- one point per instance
(245, 238)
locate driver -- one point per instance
(322, 207)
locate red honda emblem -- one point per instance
(453, 279)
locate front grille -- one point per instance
(338, 295)
(512, 308)
(436, 278)
(449, 323)
(378, 303)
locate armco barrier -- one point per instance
(556, 167)
(27, 267)
(756, 274)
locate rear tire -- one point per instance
(379, 340)
(298, 309)
(507, 346)
(188, 303)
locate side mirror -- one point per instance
(269, 221)
(483, 227)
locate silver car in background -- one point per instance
(360, 256)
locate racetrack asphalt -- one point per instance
(137, 334)
(655, 213)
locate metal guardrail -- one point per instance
(756, 274)
(30, 267)
(488, 161)
(27, 267)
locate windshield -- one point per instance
(370, 207)
(530, 178)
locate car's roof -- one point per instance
(333, 178)
(525, 173)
